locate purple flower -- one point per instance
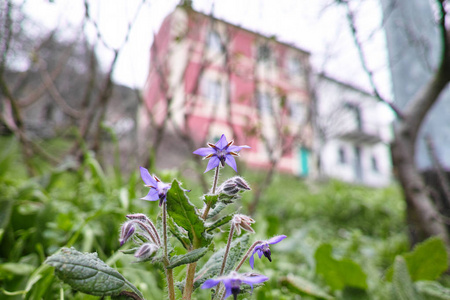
(220, 153)
(233, 282)
(263, 248)
(158, 189)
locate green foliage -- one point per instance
(185, 215)
(427, 261)
(83, 206)
(86, 273)
(433, 290)
(302, 286)
(212, 267)
(403, 287)
(187, 258)
(339, 273)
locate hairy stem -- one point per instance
(224, 262)
(169, 272)
(189, 287)
(190, 273)
(247, 254)
(213, 191)
(150, 232)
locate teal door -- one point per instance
(304, 159)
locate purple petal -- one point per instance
(251, 260)
(227, 283)
(233, 148)
(204, 151)
(210, 283)
(152, 195)
(231, 162)
(213, 163)
(146, 177)
(254, 279)
(222, 143)
(276, 239)
(260, 253)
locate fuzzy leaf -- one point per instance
(427, 261)
(212, 267)
(177, 231)
(433, 289)
(403, 286)
(187, 258)
(301, 286)
(86, 273)
(210, 199)
(338, 273)
(222, 221)
(185, 215)
(219, 207)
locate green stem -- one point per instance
(169, 272)
(247, 254)
(213, 191)
(189, 287)
(224, 262)
(190, 273)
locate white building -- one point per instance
(353, 132)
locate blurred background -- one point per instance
(343, 102)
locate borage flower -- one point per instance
(158, 189)
(263, 248)
(220, 153)
(233, 281)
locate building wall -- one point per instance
(233, 109)
(340, 137)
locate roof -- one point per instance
(273, 37)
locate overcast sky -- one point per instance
(318, 26)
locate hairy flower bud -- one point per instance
(242, 221)
(138, 216)
(145, 251)
(126, 232)
(233, 186)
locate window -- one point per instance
(297, 112)
(294, 66)
(264, 53)
(342, 155)
(213, 41)
(374, 163)
(264, 103)
(212, 90)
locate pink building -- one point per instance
(209, 77)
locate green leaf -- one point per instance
(210, 200)
(5, 215)
(301, 286)
(187, 258)
(222, 221)
(212, 267)
(177, 231)
(185, 215)
(403, 287)
(427, 261)
(219, 207)
(18, 269)
(433, 290)
(86, 273)
(338, 273)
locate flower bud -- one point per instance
(126, 232)
(233, 186)
(242, 221)
(145, 251)
(138, 216)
